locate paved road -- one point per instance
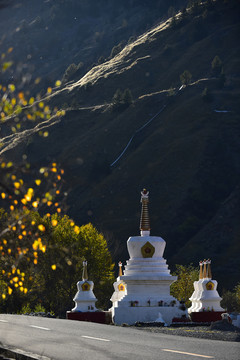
(74, 340)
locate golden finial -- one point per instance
(84, 274)
(209, 273)
(201, 270)
(144, 222)
(204, 268)
(120, 268)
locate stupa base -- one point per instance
(131, 315)
(206, 316)
(101, 317)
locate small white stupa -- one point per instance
(146, 280)
(119, 287)
(205, 296)
(84, 299)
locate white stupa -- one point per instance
(146, 279)
(84, 299)
(119, 287)
(205, 296)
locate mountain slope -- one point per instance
(50, 35)
(185, 147)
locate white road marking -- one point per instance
(187, 353)
(94, 338)
(39, 327)
(5, 321)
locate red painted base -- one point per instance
(206, 316)
(101, 317)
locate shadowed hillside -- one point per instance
(181, 143)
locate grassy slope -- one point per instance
(188, 156)
(48, 36)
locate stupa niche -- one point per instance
(147, 279)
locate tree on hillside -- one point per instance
(231, 299)
(185, 77)
(70, 71)
(217, 66)
(182, 289)
(72, 68)
(122, 100)
(127, 97)
(117, 97)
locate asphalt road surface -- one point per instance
(75, 340)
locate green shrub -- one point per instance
(39, 308)
(70, 71)
(185, 77)
(122, 100)
(182, 289)
(231, 299)
(26, 309)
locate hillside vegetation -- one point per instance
(183, 141)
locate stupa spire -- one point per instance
(205, 269)
(84, 273)
(209, 273)
(144, 222)
(120, 268)
(201, 270)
